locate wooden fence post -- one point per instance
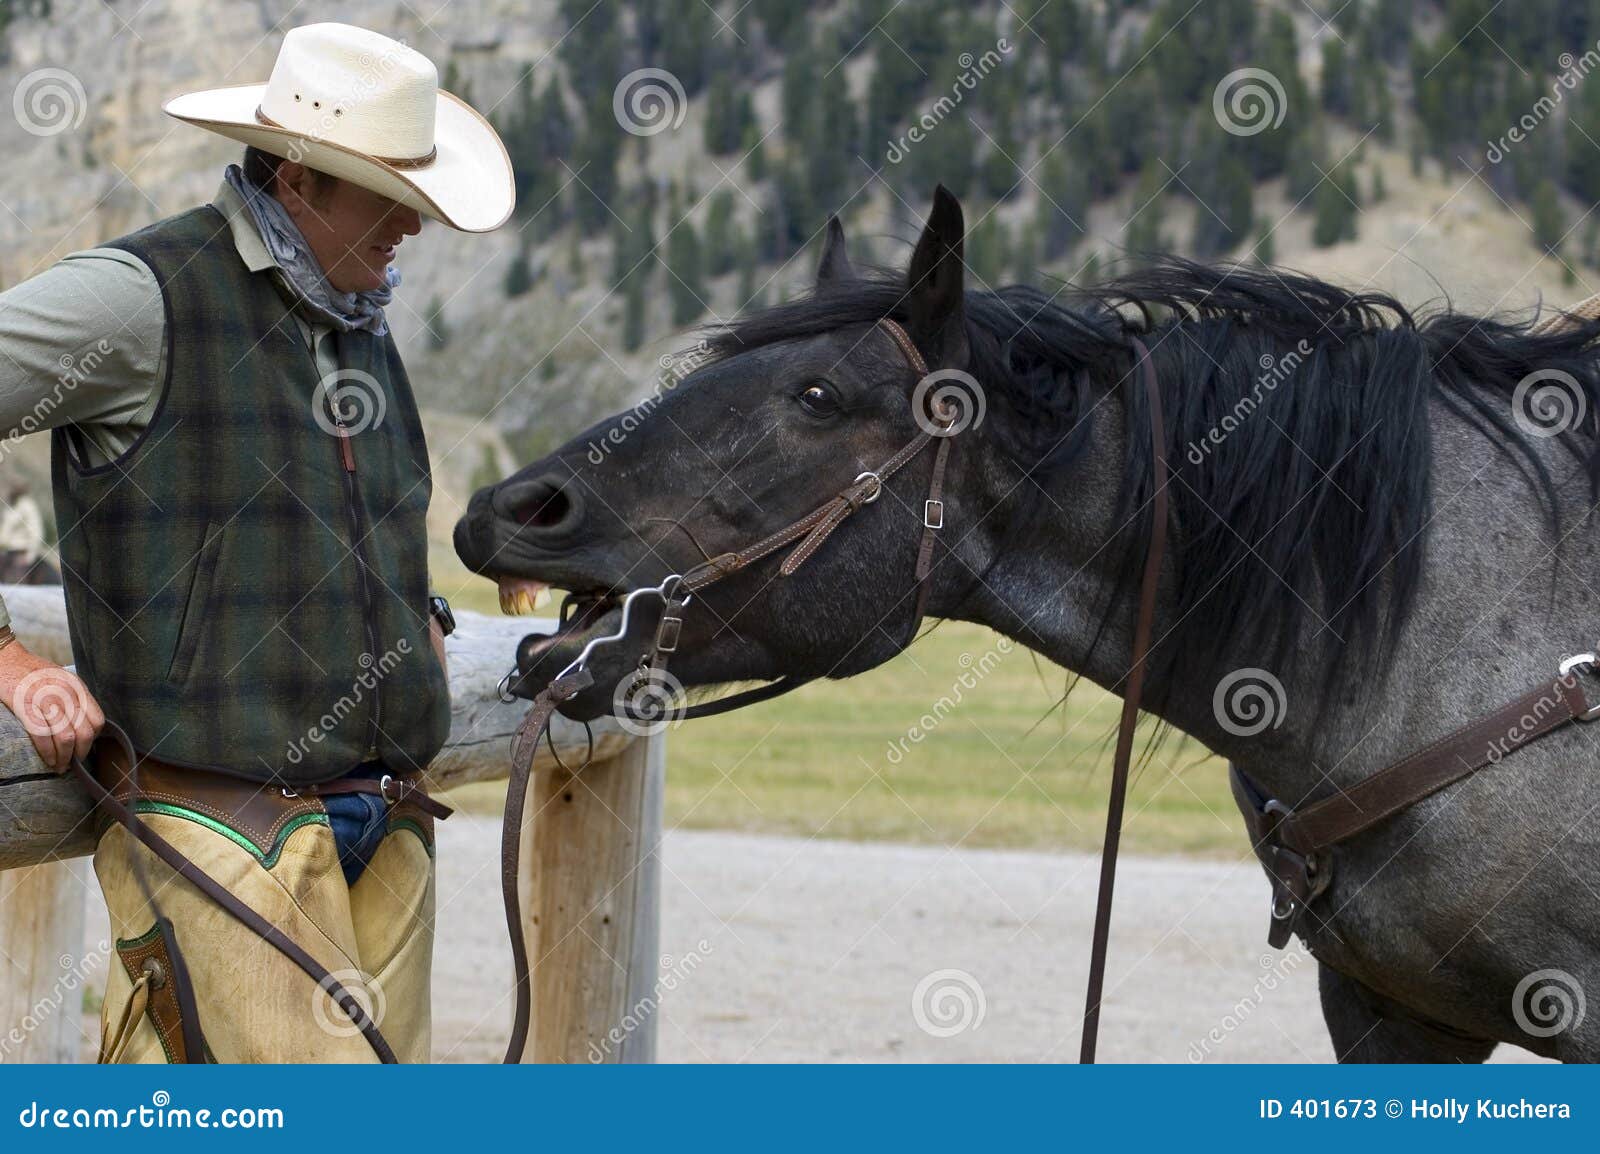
(591, 882)
(41, 953)
(591, 889)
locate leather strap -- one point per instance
(393, 790)
(1130, 704)
(1355, 809)
(1295, 845)
(523, 744)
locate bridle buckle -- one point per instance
(874, 488)
(933, 513)
(1581, 661)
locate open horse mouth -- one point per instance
(530, 537)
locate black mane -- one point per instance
(1313, 507)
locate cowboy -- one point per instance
(240, 483)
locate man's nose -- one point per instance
(409, 220)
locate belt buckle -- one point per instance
(384, 783)
(933, 514)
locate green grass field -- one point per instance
(954, 742)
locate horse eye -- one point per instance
(818, 400)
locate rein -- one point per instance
(677, 592)
(811, 531)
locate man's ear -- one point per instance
(936, 285)
(291, 187)
(834, 267)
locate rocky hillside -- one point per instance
(632, 229)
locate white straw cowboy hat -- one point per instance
(367, 109)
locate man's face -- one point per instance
(353, 232)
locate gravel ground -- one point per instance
(799, 950)
(834, 951)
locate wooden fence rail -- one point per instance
(590, 882)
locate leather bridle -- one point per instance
(938, 428)
(811, 531)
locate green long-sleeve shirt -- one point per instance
(83, 344)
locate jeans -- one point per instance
(359, 822)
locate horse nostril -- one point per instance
(542, 504)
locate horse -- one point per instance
(1378, 525)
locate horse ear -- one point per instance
(834, 266)
(936, 284)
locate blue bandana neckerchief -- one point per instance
(319, 300)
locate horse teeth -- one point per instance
(522, 598)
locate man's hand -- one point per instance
(53, 705)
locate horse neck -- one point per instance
(1472, 641)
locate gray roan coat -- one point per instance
(1388, 516)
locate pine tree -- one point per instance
(1266, 246)
(633, 313)
(1335, 208)
(438, 330)
(1063, 207)
(519, 273)
(686, 283)
(723, 128)
(1549, 223)
(721, 234)
(1143, 236)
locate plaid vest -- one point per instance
(247, 585)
